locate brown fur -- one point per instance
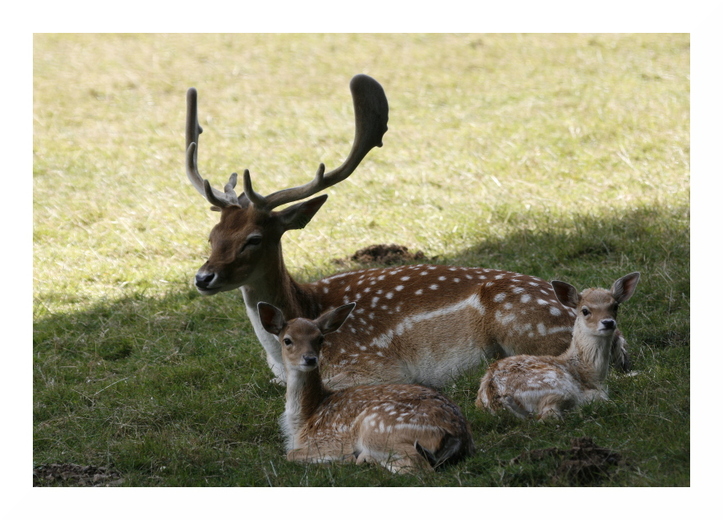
(406, 328)
(549, 386)
(422, 324)
(402, 427)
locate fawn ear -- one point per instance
(332, 320)
(272, 318)
(566, 293)
(299, 215)
(624, 287)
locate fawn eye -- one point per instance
(585, 311)
(287, 342)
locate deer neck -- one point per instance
(590, 352)
(304, 394)
(272, 283)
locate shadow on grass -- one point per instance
(174, 390)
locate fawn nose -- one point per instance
(608, 324)
(309, 360)
(203, 280)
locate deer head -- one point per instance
(301, 338)
(245, 244)
(597, 309)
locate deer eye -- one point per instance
(253, 240)
(288, 342)
(585, 311)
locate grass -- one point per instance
(561, 156)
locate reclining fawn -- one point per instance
(401, 427)
(549, 386)
(413, 324)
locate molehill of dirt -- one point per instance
(74, 475)
(382, 254)
(585, 464)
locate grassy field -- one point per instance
(560, 156)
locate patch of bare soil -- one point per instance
(75, 475)
(585, 464)
(382, 254)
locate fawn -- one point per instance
(549, 386)
(402, 427)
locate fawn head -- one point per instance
(597, 309)
(246, 242)
(301, 338)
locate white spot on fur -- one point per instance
(504, 318)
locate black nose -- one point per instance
(608, 324)
(204, 280)
(310, 360)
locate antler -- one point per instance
(371, 112)
(219, 199)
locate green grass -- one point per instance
(561, 156)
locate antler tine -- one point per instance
(256, 199)
(219, 199)
(371, 112)
(228, 189)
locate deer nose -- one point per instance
(203, 280)
(608, 324)
(309, 360)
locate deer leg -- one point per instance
(301, 455)
(316, 455)
(406, 459)
(554, 406)
(514, 407)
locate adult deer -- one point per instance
(412, 324)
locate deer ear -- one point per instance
(272, 319)
(566, 293)
(299, 215)
(332, 320)
(624, 287)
